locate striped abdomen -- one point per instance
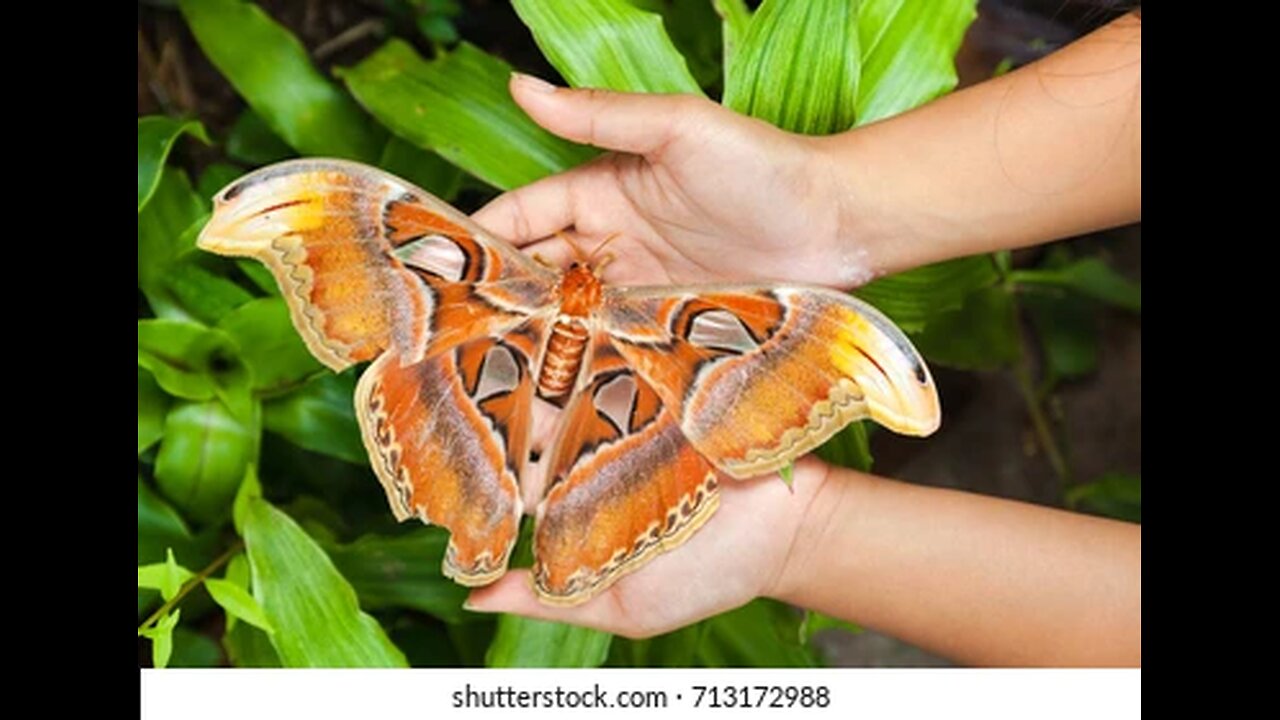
(564, 358)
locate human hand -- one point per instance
(698, 192)
(740, 554)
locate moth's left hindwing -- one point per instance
(375, 269)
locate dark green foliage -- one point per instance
(287, 533)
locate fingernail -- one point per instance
(468, 606)
(534, 84)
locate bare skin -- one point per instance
(701, 194)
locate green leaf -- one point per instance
(216, 177)
(269, 345)
(762, 633)
(1090, 277)
(458, 105)
(203, 458)
(735, 19)
(1115, 494)
(161, 635)
(194, 362)
(695, 30)
(156, 136)
(525, 642)
(849, 448)
(193, 650)
(401, 571)
(237, 603)
(313, 609)
(273, 73)
(787, 472)
(153, 403)
(815, 622)
(981, 335)
(250, 489)
(159, 526)
(607, 44)
(174, 207)
(797, 66)
(1068, 332)
(252, 142)
(320, 417)
(249, 647)
(194, 287)
(167, 577)
(674, 649)
(259, 275)
(423, 168)
(908, 53)
(913, 298)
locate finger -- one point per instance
(640, 123)
(530, 212)
(513, 593)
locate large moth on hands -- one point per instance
(663, 389)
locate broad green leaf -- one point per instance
(423, 168)
(259, 275)
(1068, 331)
(981, 335)
(762, 633)
(695, 30)
(458, 105)
(525, 642)
(425, 642)
(153, 403)
(1116, 495)
(273, 73)
(238, 603)
(250, 489)
(251, 141)
(215, 177)
(908, 53)
(735, 19)
(173, 208)
(161, 636)
(1090, 277)
(159, 526)
(471, 640)
(401, 571)
(194, 362)
(195, 287)
(674, 649)
(797, 66)
(156, 136)
(313, 609)
(607, 44)
(914, 297)
(849, 448)
(237, 572)
(269, 345)
(248, 647)
(320, 416)
(815, 622)
(167, 577)
(203, 457)
(193, 650)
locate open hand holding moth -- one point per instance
(663, 389)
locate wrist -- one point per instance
(824, 490)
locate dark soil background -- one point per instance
(986, 444)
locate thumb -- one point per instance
(640, 123)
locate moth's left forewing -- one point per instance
(759, 375)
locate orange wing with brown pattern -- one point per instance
(375, 269)
(756, 376)
(623, 484)
(368, 262)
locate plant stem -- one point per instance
(1026, 388)
(191, 584)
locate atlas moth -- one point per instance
(663, 389)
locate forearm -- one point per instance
(980, 580)
(1047, 151)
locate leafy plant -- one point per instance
(313, 570)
